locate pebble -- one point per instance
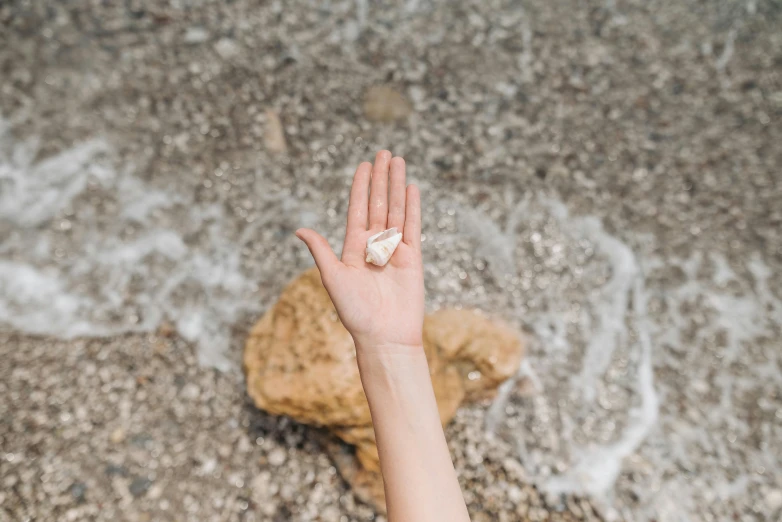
(139, 486)
(227, 48)
(191, 391)
(117, 436)
(78, 491)
(773, 499)
(274, 136)
(112, 469)
(196, 35)
(277, 457)
(385, 104)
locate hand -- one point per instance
(382, 307)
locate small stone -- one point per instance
(574, 508)
(166, 329)
(384, 104)
(227, 48)
(274, 135)
(112, 470)
(155, 491)
(208, 466)
(774, 499)
(514, 469)
(277, 457)
(190, 391)
(141, 440)
(196, 35)
(117, 436)
(140, 486)
(261, 488)
(78, 492)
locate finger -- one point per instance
(378, 194)
(412, 234)
(320, 250)
(357, 214)
(396, 194)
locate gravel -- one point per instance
(604, 175)
(213, 457)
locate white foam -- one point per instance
(712, 326)
(496, 412)
(604, 327)
(744, 315)
(36, 301)
(33, 193)
(650, 437)
(610, 304)
(594, 469)
(493, 243)
(104, 283)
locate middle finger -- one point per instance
(378, 193)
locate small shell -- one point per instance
(380, 247)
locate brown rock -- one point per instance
(274, 134)
(300, 361)
(117, 436)
(166, 329)
(384, 104)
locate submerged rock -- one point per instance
(384, 104)
(300, 361)
(274, 134)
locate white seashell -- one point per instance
(380, 247)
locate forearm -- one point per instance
(420, 481)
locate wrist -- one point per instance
(394, 376)
(403, 349)
(389, 359)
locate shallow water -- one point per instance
(602, 319)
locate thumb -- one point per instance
(320, 250)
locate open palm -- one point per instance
(380, 306)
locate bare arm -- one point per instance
(383, 309)
(420, 481)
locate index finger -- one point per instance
(378, 209)
(357, 214)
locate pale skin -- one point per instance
(383, 309)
